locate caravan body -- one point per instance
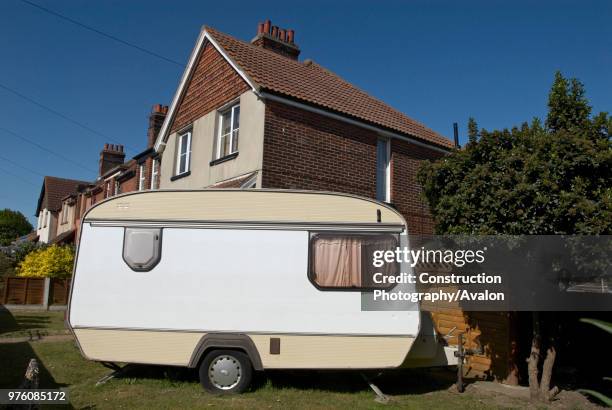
(163, 277)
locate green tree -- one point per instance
(529, 180)
(13, 224)
(472, 130)
(568, 107)
(6, 265)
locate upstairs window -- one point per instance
(155, 174)
(183, 153)
(107, 191)
(64, 214)
(229, 129)
(383, 170)
(117, 187)
(141, 177)
(344, 261)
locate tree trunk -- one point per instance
(512, 376)
(534, 358)
(546, 392)
(539, 388)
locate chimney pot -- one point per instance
(276, 39)
(260, 28)
(105, 147)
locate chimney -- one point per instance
(111, 156)
(279, 40)
(156, 119)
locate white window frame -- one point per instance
(117, 187)
(187, 154)
(387, 182)
(154, 174)
(45, 218)
(231, 109)
(107, 192)
(141, 177)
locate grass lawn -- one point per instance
(61, 365)
(17, 323)
(152, 387)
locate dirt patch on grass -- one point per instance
(518, 397)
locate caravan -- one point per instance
(231, 281)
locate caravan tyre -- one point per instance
(226, 372)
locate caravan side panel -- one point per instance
(251, 282)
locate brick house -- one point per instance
(115, 176)
(54, 216)
(251, 115)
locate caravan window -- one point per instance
(345, 260)
(142, 248)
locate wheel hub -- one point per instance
(225, 372)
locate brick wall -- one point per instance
(304, 150)
(406, 192)
(214, 82)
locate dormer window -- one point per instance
(229, 127)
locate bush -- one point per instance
(52, 262)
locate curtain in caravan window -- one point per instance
(337, 261)
(346, 260)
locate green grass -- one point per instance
(18, 323)
(154, 387)
(61, 365)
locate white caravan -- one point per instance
(228, 281)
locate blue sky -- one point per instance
(437, 61)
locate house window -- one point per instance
(155, 174)
(383, 170)
(64, 214)
(343, 261)
(45, 218)
(117, 187)
(229, 127)
(107, 191)
(141, 177)
(183, 155)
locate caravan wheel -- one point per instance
(226, 372)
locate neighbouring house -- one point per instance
(115, 176)
(52, 214)
(252, 115)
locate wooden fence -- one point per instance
(34, 291)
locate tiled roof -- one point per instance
(310, 83)
(54, 189)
